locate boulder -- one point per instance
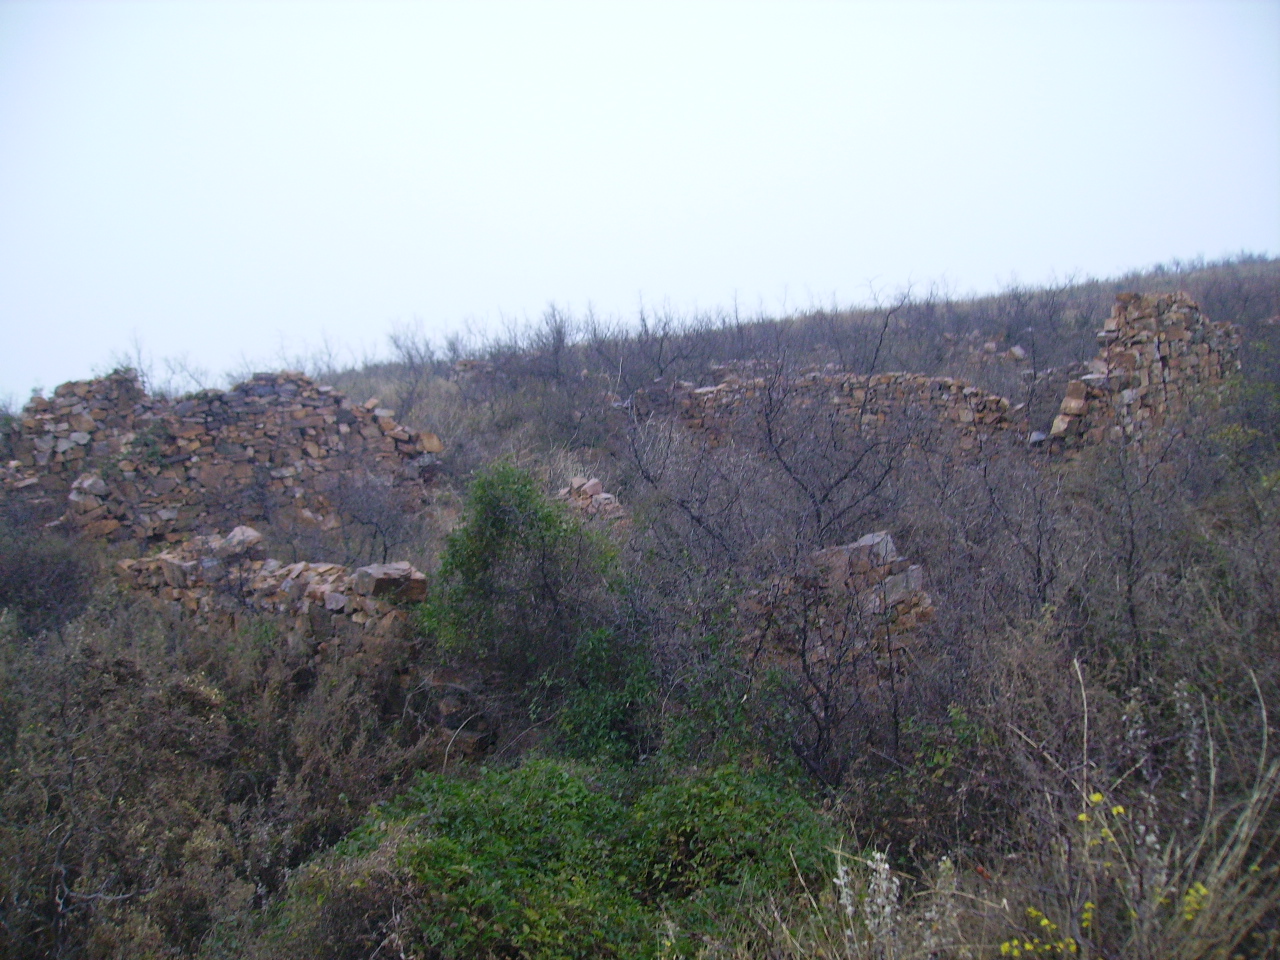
(240, 540)
(395, 581)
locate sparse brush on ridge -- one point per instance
(1076, 756)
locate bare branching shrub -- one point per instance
(45, 581)
(161, 783)
(1076, 756)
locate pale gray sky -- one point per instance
(215, 180)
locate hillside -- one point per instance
(947, 628)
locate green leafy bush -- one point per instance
(524, 585)
(520, 581)
(728, 828)
(602, 699)
(522, 860)
(543, 863)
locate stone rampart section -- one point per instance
(1159, 355)
(329, 612)
(858, 597)
(586, 496)
(131, 466)
(874, 403)
(209, 578)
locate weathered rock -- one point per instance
(399, 581)
(587, 496)
(90, 483)
(239, 541)
(1157, 353)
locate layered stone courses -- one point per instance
(159, 470)
(587, 497)
(211, 577)
(863, 594)
(873, 403)
(1158, 355)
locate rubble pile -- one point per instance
(211, 577)
(158, 470)
(972, 348)
(1158, 354)
(331, 612)
(588, 498)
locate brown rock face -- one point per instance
(881, 580)
(588, 497)
(1158, 355)
(862, 605)
(394, 581)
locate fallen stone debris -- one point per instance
(588, 498)
(1158, 356)
(863, 596)
(881, 580)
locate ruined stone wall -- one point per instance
(1159, 355)
(327, 612)
(858, 597)
(875, 403)
(131, 466)
(209, 578)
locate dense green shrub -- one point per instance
(603, 699)
(543, 862)
(525, 586)
(728, 828)
(520, 581)
(522, 859)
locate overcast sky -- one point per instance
(229, 182)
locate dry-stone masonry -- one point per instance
(874, 403)
(881, 580)
(213, 577)
(1158, 355)
(329, 611)
(131, 466)
(862, 596)
(587, 497)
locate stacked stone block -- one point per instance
(864, 598)
(874, 404)
(210, 577)
(587, 497)
(1158, 355)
